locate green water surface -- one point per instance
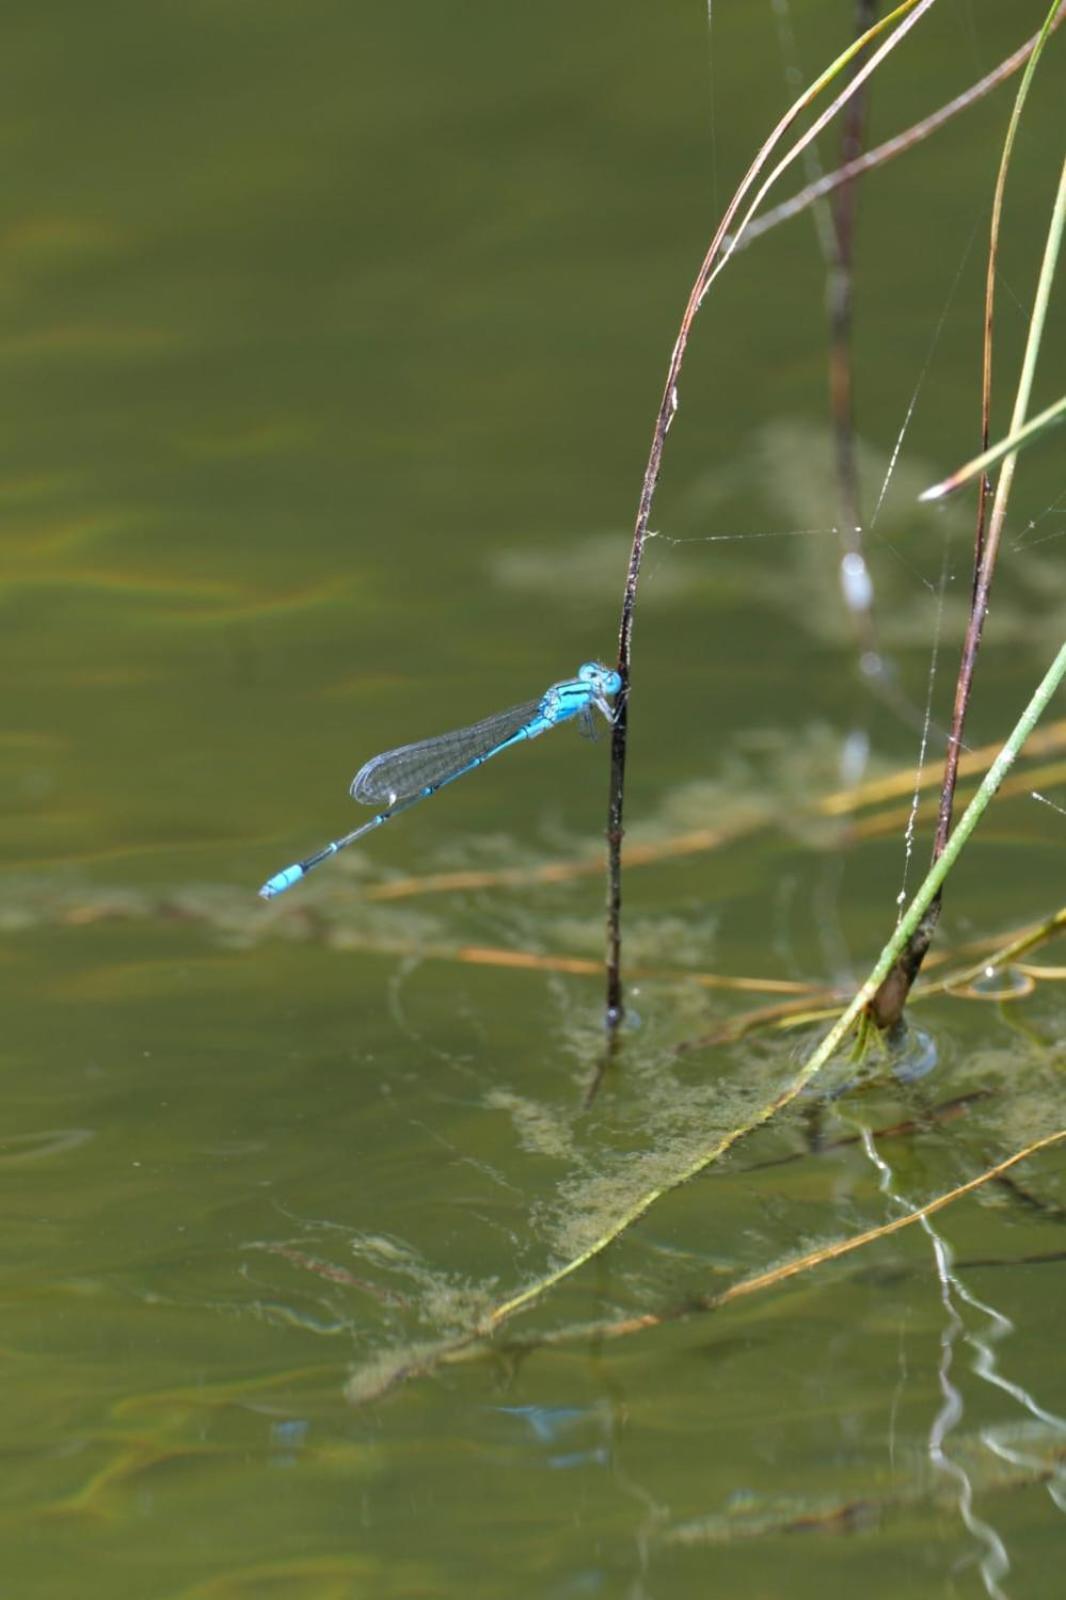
(331, 337)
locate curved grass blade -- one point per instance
(1026, 435)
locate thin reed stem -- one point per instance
(721, 248)
(886, 1007)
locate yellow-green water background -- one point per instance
(330, 340)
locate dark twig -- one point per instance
(718, 253)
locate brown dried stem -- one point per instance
(721, 248)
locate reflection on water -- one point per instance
(1007, 1457)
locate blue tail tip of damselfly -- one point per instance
(280, 882)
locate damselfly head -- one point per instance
(604, 679)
